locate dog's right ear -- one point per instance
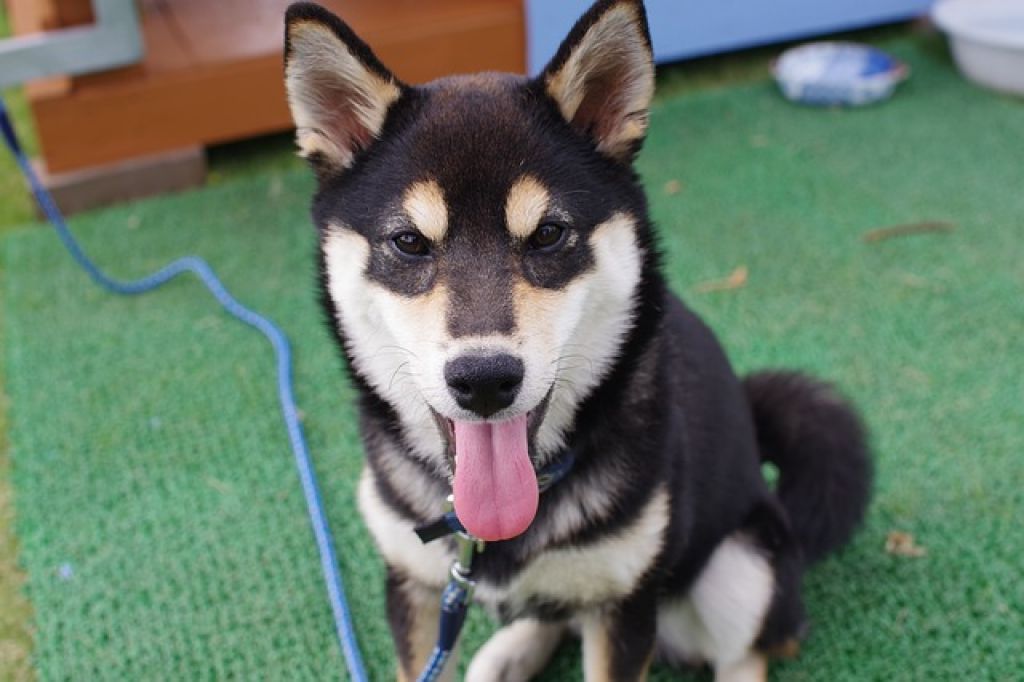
(338, 91)
(602, 77)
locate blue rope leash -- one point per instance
(458, 594)
(455, 601)
(282, 349)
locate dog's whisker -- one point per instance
(395, 374)
(400, 349)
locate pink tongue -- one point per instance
(495, 485)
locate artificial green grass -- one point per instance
(160, 519)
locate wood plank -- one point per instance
(136, 178)
(212, 77)
(73, 12)
(379, 22)
(213, 104)
(32, 16)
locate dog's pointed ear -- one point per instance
(338, 91)
(602, 77)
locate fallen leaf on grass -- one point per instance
(903, 544)
(882, 233)
(736, 280)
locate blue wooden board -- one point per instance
(691, 28)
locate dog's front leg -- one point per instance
(618, 640)
(413, 613)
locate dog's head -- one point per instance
(482, 239)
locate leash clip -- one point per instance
(458, 594)
(468, 547)
(462, 567)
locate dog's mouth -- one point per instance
(494, 484)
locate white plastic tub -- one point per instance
(987, 37)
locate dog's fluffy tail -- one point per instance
(816, 440)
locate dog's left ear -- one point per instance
(602, 77)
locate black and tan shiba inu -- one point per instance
(493, 279)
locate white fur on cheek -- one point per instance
(385, 342)
(588, 323)
(619, 258)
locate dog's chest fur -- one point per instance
(545, 572)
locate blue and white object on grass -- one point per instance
(837, 74)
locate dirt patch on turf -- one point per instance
(15, 612)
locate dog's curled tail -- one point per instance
(817, 441)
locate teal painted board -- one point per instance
(113, 40)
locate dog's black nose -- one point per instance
(484, 384)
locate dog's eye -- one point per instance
(547, 237)
(411, 244)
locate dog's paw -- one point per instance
(516, 652)
(751, 668)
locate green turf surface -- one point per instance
(160, 520)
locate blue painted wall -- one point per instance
(690, 28)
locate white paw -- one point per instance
(516, 652)
(751, 668)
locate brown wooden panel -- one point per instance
(213, 75)
(213, 104)
(73, 12)
(31, 16)
(256, 28)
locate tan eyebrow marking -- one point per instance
(424, 203)
(526, 205)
